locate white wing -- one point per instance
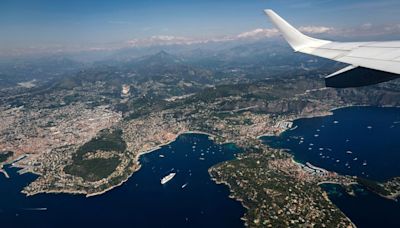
(382, 57)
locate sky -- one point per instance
(67, 23)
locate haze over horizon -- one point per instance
(44, 25)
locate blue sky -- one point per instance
(26, 23)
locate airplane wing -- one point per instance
(370, 62)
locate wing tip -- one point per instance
(269, 12)
(294, 37)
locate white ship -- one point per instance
(167, 178)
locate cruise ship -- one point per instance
(167, 178)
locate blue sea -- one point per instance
(362, 141)
(359, 141)
(140, 202)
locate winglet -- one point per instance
(294, 37)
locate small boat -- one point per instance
(36, 209)
(184, 186)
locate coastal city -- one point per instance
(199, 113)
(61, 144)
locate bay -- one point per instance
(140, 202)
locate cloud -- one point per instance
(267, 33)
(392, 28)
(369, 30)
(162, 40)
(179, 40)
(315, 29)
(258, 33)
(366, 26)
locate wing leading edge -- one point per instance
(371, 62)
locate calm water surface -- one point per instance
(140, 202)
(361, 141)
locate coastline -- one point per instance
(134, 170)
(307, 116)
(139, 166)
(320, 114)
(231, 194)
(291, 119)
(395, 197)
(138, 155)
(238, 198)
(137, 158)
